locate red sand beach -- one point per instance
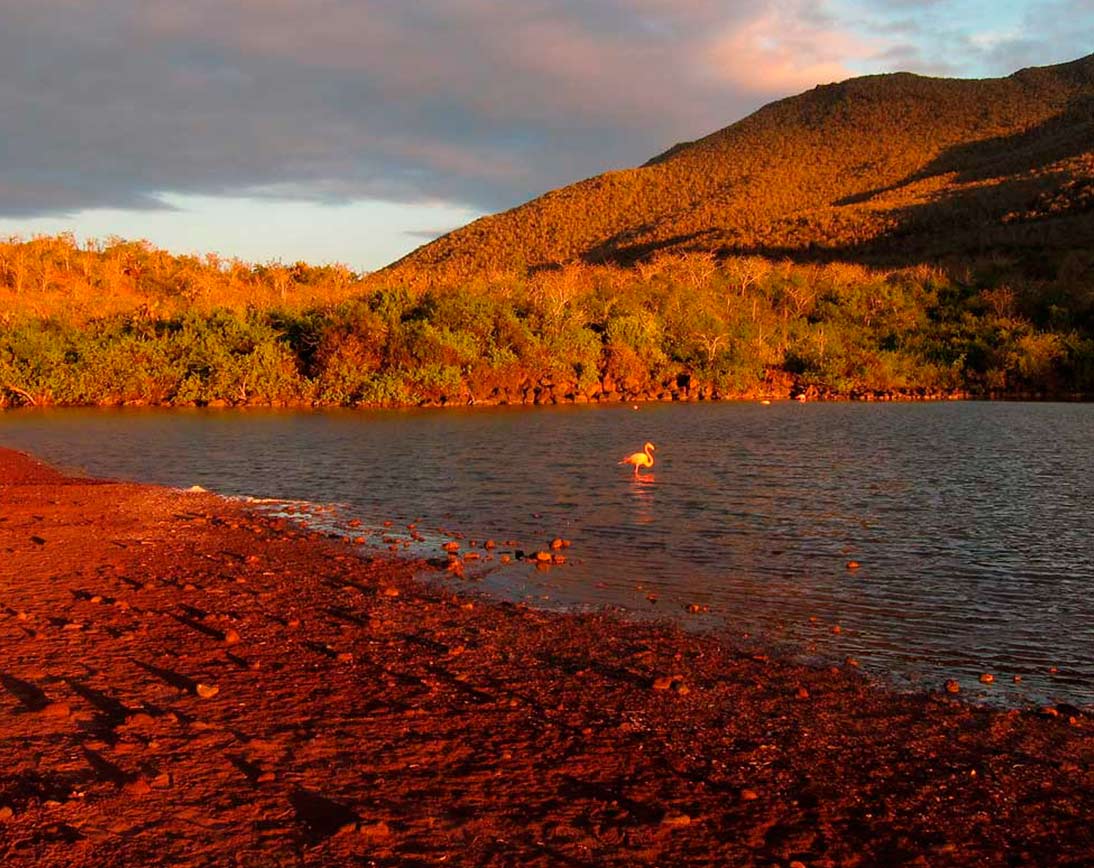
(186, 683)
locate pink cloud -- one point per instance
(783, 49)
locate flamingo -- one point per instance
(641, 459)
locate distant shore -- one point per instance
(16, 402)
(185, 682)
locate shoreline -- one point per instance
(806, 396)
(187, 682)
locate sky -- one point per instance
(353, 131)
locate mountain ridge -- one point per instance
(888, 169)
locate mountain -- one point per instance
(883, 169)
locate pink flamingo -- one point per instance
(641, 459)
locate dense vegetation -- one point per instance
(677, 326)
(885, 170)
(54, 276)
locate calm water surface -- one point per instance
(972, 521)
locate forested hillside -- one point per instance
(132, 325)
(887, 169)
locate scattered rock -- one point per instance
(206, 691)
(6, 813)
(232, 637)
(749, 795)
(952, 686)
(556, 543)
(137, 787)
(451, 547)
(668, 682)
(374, 831)
(852, 662)
(139, 719)
(986, 678)
(391, 592)
(853, 565)
(57, 709)
(675, 820)
(543, 557)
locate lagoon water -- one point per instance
(973, 522)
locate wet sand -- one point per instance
(184, 682)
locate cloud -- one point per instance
(1049, 31)
(110, 103)
(428, 234)
(104, 103)
(784, 49)
(974, 37)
